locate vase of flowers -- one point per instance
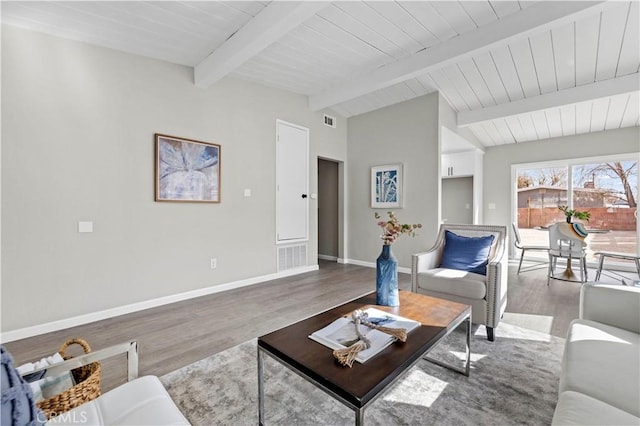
(387, 264)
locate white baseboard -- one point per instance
(402, 270)
(327, 257)
(23, 333)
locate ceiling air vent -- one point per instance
(329, 121)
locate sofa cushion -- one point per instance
(575, 408)
(452, 281)
(143, 401)
(466, 253)
(602, 361)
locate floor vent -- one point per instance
(292, 257)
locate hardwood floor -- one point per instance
(175, 335)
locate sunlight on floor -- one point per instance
(462, 356)
(425, 390)
(534, 323)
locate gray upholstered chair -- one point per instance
(487, 294)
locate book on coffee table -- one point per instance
(341, 333)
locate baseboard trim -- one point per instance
(402, 270)
(327, 257)
(35, 330)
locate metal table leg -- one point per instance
(260, 387)
(467, 365)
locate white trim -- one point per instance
(23, 333)
(402, 270)
(327, 257)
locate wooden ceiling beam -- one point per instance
(601, 89)
(531, 20)
(267, 27)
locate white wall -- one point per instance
(77, 131)
(498, 183)
(404, 133)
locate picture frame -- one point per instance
(186, 170)
(386, 186)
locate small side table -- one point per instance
(621, 256)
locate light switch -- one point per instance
(85, 226)
(492, 206)
(247, 192)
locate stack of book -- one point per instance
(341, 333)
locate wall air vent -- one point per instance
(292, 257)
(329, 121)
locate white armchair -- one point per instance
(487, 294)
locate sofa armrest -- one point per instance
(424, 261)
(130, 348)
(615, 305)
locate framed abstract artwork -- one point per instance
(186, 170)
(386, 186)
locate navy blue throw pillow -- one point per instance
(466, 253)
(18, 408)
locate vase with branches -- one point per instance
(571, 213)
(387, 264)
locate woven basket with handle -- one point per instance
(87, 386)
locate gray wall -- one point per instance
(77, 132)
(404, 133)
(498, 184)
(457, 200)
(328, 208)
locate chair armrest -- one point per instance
(497, 277)
(130, 348)
(614, 305)
(424, 261)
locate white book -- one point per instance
(341, 333)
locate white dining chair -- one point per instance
(566, 240)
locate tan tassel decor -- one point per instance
(346, 356)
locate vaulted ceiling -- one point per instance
(513, 71)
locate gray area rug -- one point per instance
(514, 380)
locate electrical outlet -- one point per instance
(214, 263)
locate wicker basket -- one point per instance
(87, 386)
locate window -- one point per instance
(607, 188)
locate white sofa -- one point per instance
(143, 401)
(600, 379)
(139, 401)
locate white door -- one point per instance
(292, 145)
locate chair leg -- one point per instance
(550, 269)
(586, 271)
(520, 264)
(490, 336)
(599, 271)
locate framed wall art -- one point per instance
(186, 170)
(386, 186)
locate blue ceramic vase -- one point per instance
(387, 278)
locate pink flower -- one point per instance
(392, 229)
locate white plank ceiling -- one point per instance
(514, 71)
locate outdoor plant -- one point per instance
(569, 213)
(392, 228)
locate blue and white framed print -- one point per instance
(386, 186)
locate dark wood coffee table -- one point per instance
(360, 385)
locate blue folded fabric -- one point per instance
(466, 253)
(18, 407)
